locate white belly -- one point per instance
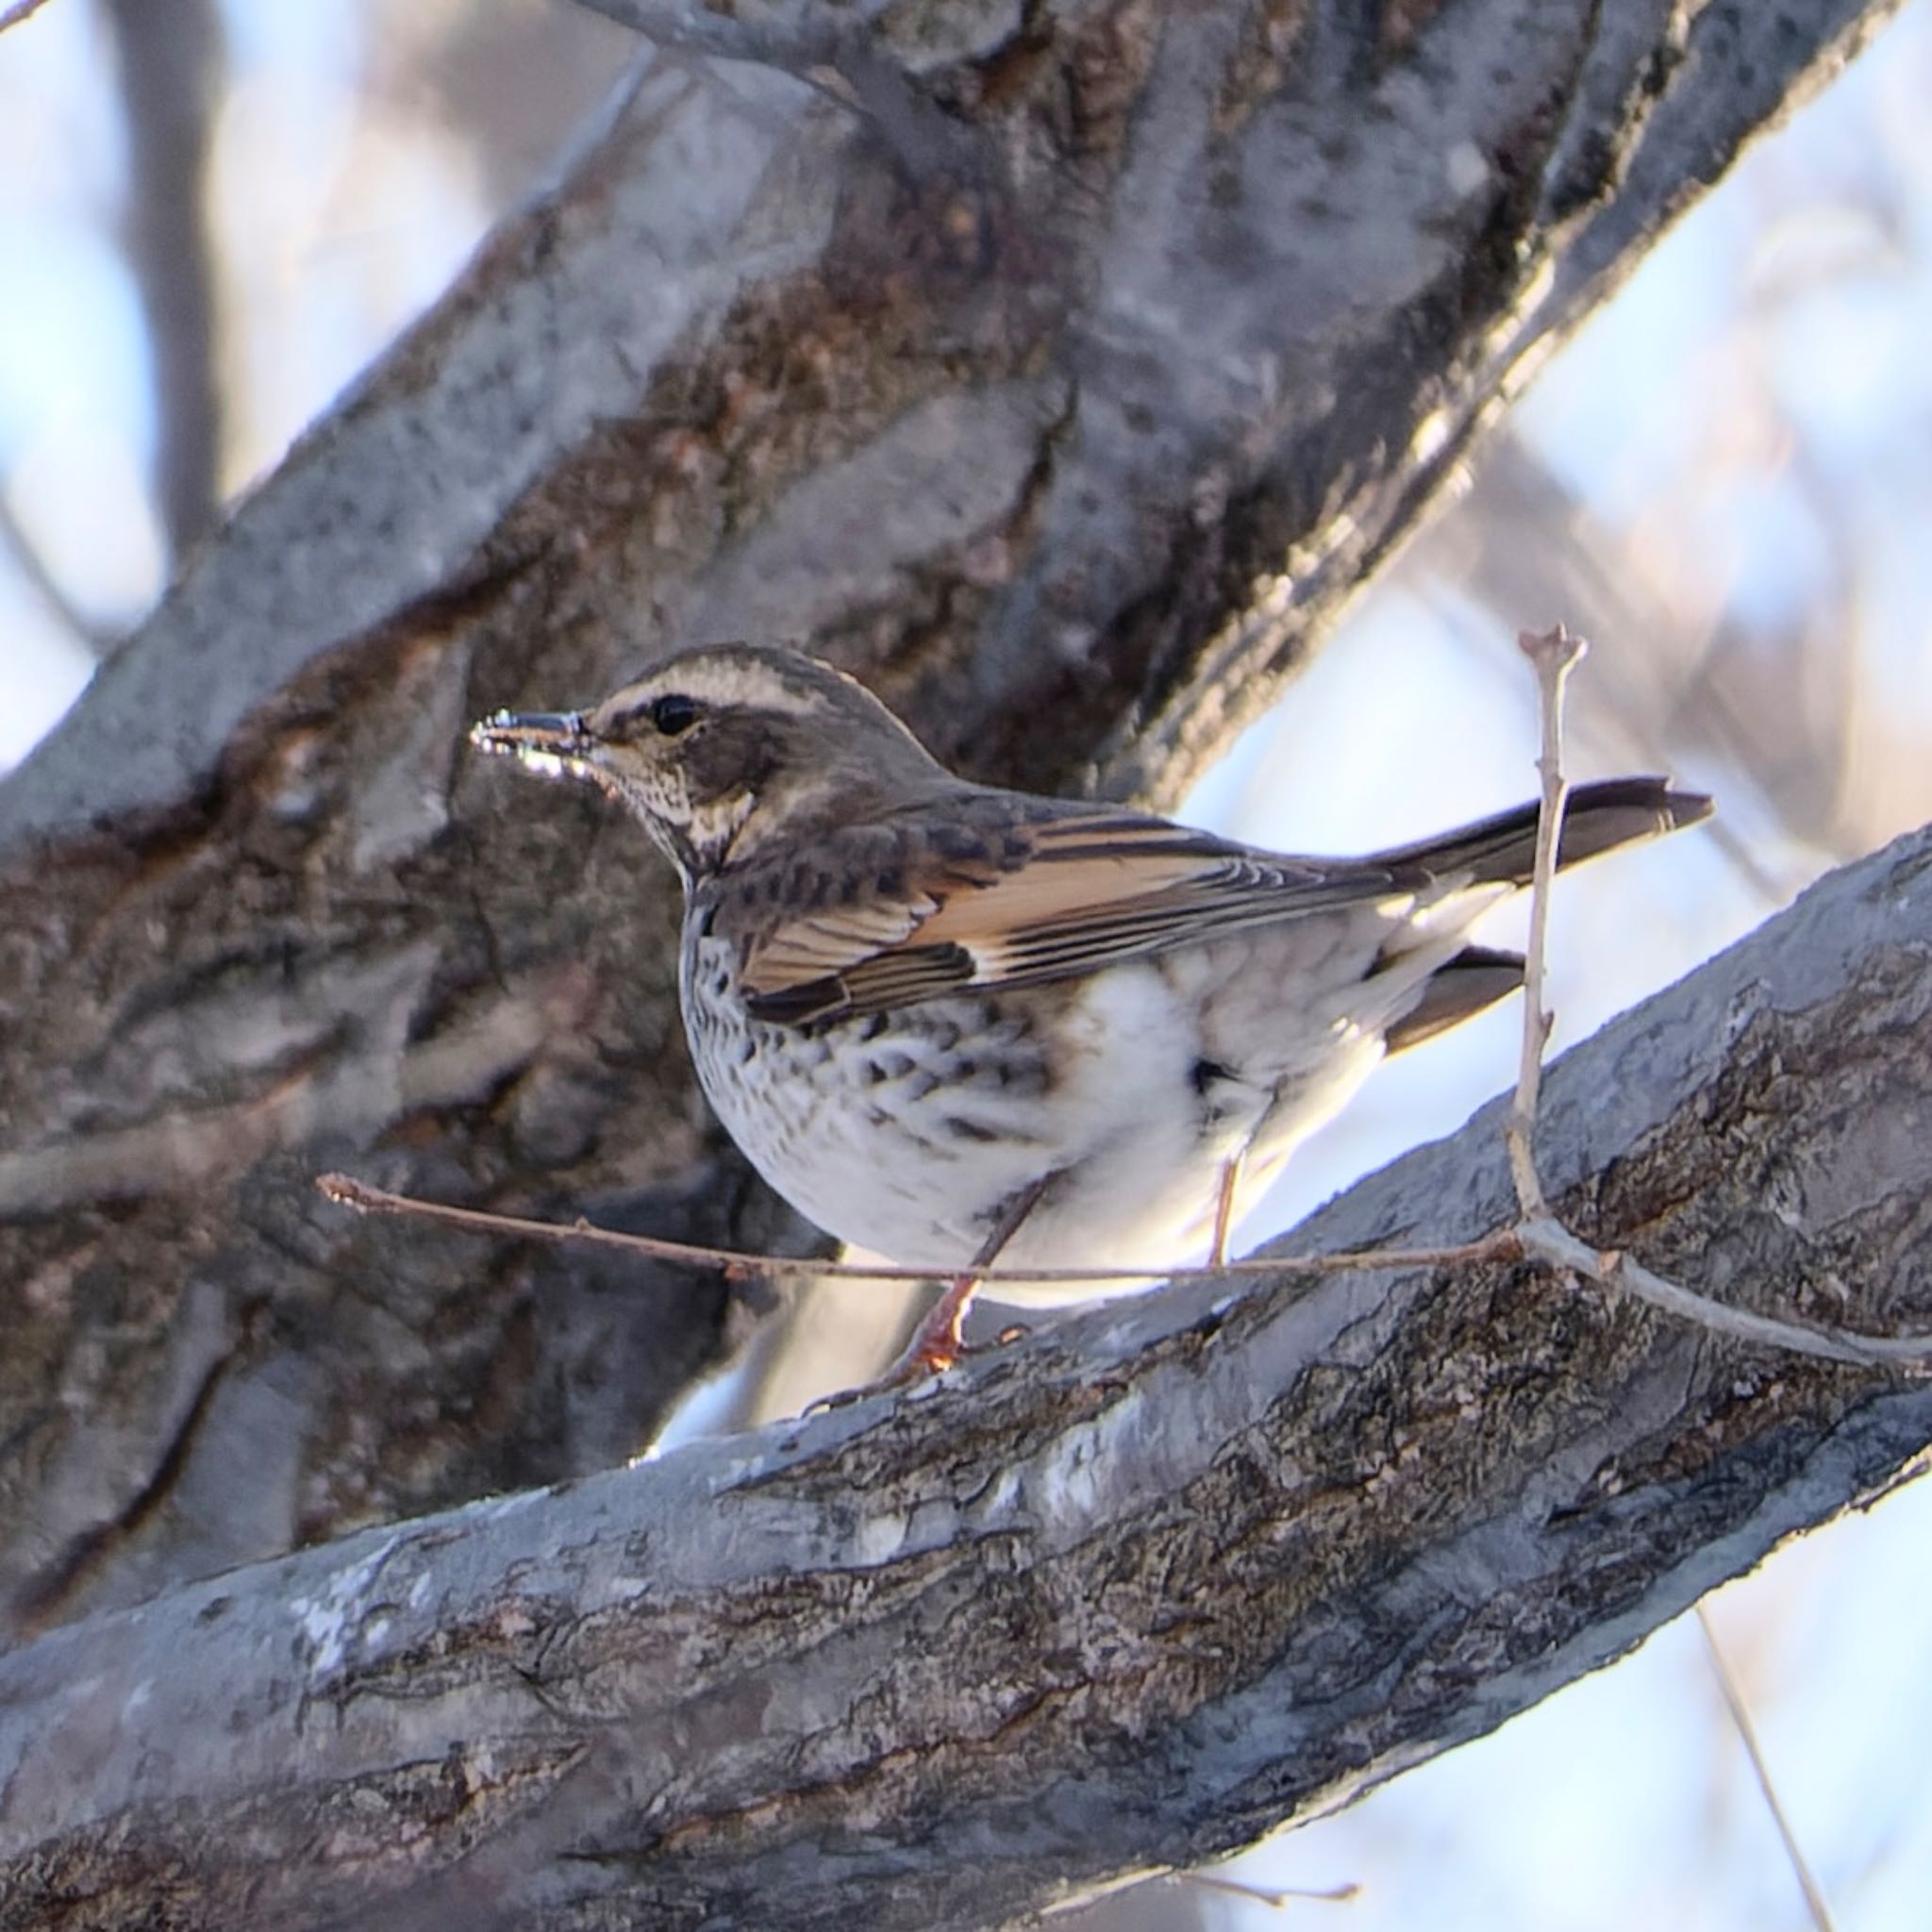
(906, 1133)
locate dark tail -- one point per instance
(1502, 850)
(1456, 990)
(1598, 818)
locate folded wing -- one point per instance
(1067, 896)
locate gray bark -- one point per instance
(1128, 1594)
(1060, 370)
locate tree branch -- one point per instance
(1128, 1594)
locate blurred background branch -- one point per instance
(169, 62)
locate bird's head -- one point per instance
(719, 748)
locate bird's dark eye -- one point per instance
(674, 713)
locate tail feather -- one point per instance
(1500, 851)
(1456, 990)
(1598, 818)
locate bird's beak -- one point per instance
(519, 731)
(550, 742)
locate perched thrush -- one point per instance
(946, 1021)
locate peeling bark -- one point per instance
(1130, 1593)
(1059, 370)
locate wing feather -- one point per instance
(1068, 896)
(1007, 891)
(830, 939)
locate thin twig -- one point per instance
(1548, 1240)
(1544, 1240)
(1276, 1898)
(1747, 1731)
(1553, 655)
(346, 1191)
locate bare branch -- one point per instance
(1740, 1709)
(1553, 655)
(348, 1192)
(1541, 1239)
(1552, 658)
(1548, 1240)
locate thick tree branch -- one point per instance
(1129, 1594)
(1065, 387)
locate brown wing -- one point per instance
(1045, 901)
(998, 900)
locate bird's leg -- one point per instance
(936, 1347)
(1223, 1209)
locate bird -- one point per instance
(954, 1025)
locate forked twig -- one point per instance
(1546, 1239)
(1553, 655)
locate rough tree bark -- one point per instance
(1062, 369)
(1128, 1594)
